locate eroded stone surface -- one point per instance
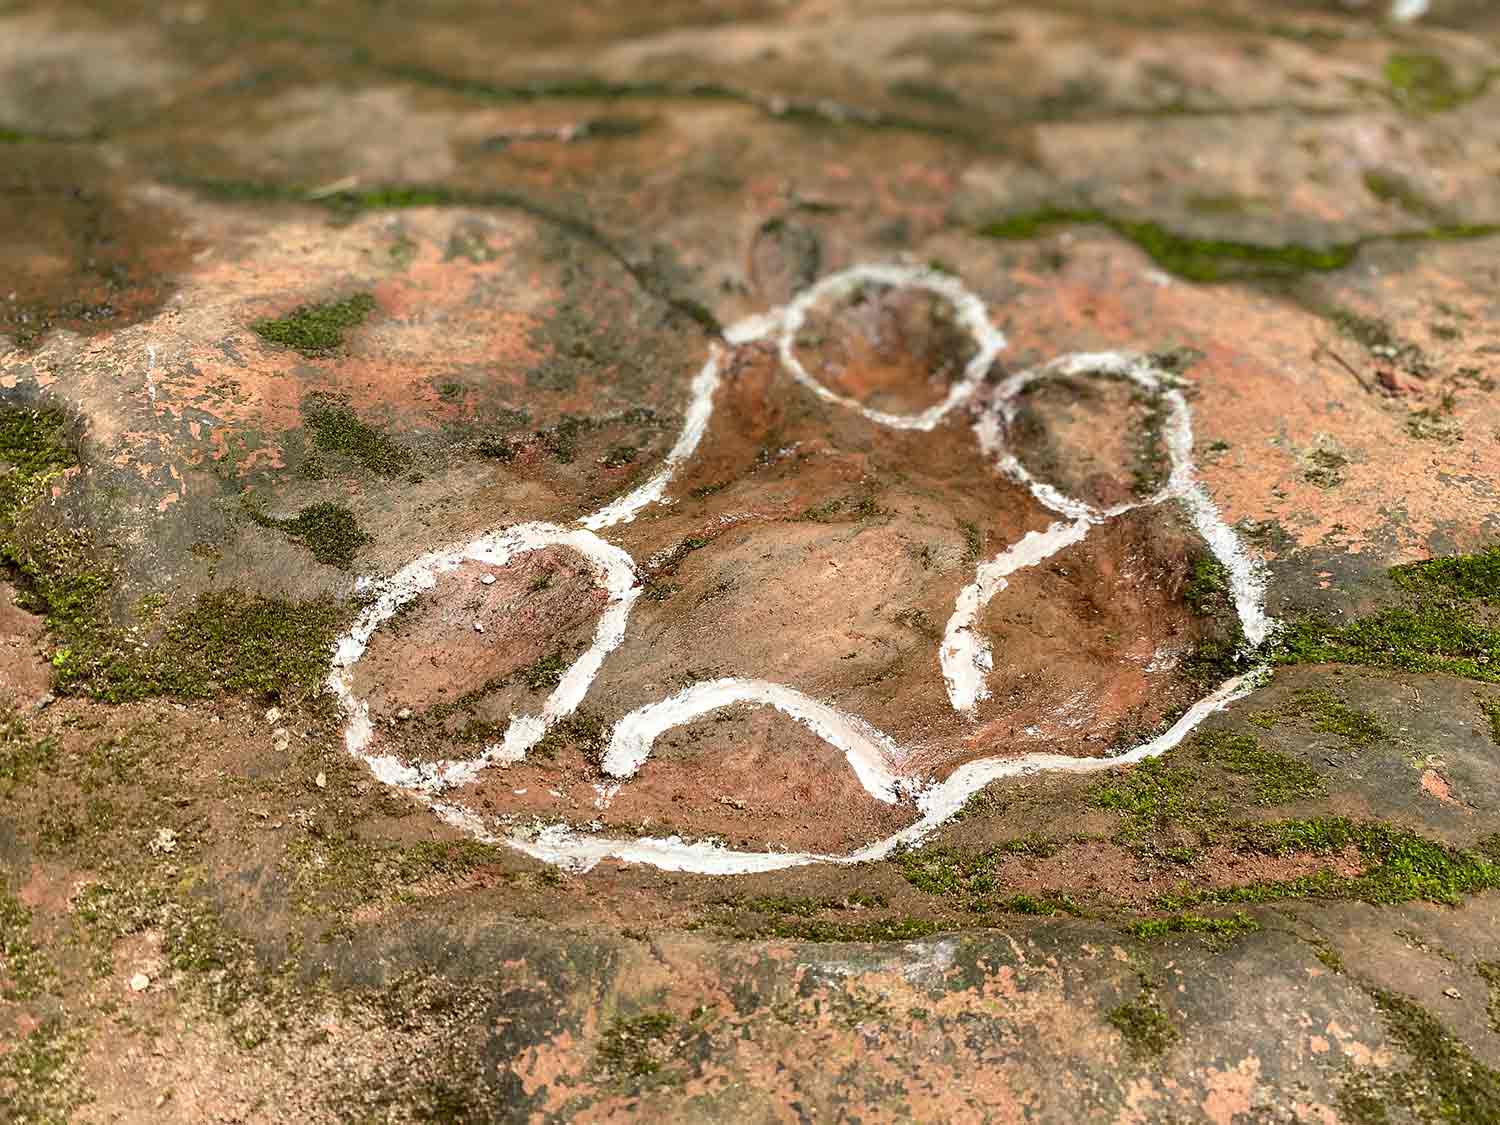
(543, 221)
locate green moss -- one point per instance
(334, 873)
(971, 877)
(1489, 972)
(637, 1048)
(1190, 787)
(499, 448)
(1219, 931)
(1325, 468)
(1327, 955)
(1208, 584)
(1150, 464)
(1195, 259)
(266, 647)
(1491, 709)
(1424, 638)
(584, 729)
(930, 92)
(22, 757)
(1211, 260)
(1422, 82)
(1212, 660)
(1329, 714)
(1464, 576)
(1043, 906)
(1399, 866)
(545, 673)
(1168, 806)
(35, 447)
(333, 427)
(852, 507)
(24, 968)
(1438, 628)
(316, 330)
(823, 930)
(619, 455)
(330, 531)
(1388, 187)
(973, 540)
(1444, 1082)
(1147, 1030)
(39, 1080)
(221, 642)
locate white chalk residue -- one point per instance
(626, 507)
(972, 314)
(700, 409)
(150, 366)
(1247, 580)
(613, 571)
(965, 655)
(870, 753)
(876, 759)
(937, 804)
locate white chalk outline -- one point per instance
(965, 654)
(874, 757)
(989, 340)
(870, 753)
(613, 570)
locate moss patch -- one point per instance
(1195, 259)
(267, 647)
(1211, 260)
(1491, 709)
(1444, 1082)
(1389, 187)
(1462, 576)
(1146, 1028)
(1398, 866)
(1425, 638)
(39, 1080)
(21, 756)
(330, 531)
(333, 873)
(24, 968)
(316, 330)
(334, 427)
(35, 447)
(1422, 82)
(1191, 787)
(1207, 590)
(1220, 930)
(222, 642)
(1445, 623)
(635, 1048)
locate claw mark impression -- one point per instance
(876, 759)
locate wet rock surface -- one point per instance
(495, 500)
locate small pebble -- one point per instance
(478, 628)
(321, 781)
(1453, 994)
(404, 713)
(140, 982)
(273, 716)
(488, 580)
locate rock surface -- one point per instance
(495, 500)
